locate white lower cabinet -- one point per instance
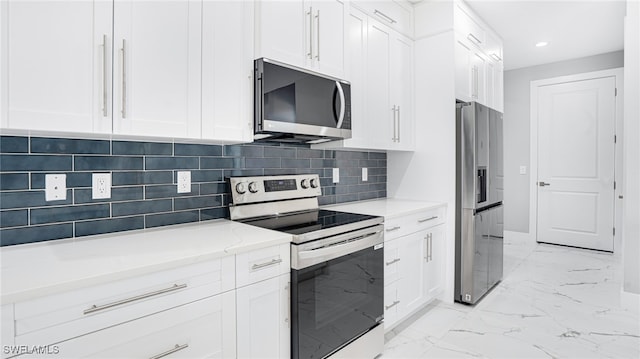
(263, 321)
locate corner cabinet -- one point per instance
(144, 68)
(307, 34)
(414, 260)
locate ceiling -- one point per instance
(573, 28)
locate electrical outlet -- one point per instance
(101, 185)
(55, 187)
(336, 175)
(365, 174)
(184, 181)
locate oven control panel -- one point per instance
(274, 188)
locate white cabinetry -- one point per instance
(307, 34)
(413, 263)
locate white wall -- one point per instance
(517, 132)
(429, 173)
(631, 189)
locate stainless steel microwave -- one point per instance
(296, 105)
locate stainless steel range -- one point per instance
(337, 265)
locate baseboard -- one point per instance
(630, 301)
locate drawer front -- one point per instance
(66, 315)
(398, 227)
(391, 14)
(391, 262)
(391, 304)
(261, 264)
(205, 328)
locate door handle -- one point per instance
(342, 104)
(542, 184)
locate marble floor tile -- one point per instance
(553, 302)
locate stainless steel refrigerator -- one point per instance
(479, 193)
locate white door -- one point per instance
(576, 127)
(157, 72)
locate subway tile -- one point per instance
(307, 171)
(74, 179)
(350, 172)
(346, 163)
(262, 162)
(214, 188)
(382, 163)
(240, 173)
(111, 225)
(282, 152)
(342, 189)
(157, 220)
(81, 196)
(69, 213)
(26, 199)
(367, 195)
(139, 177)
(328, 191)
(309, 153)
(347, 198)
(377, 187)
(14, 144)
(322, 163)
(183, 149)
(14, 218)
(32, 234)
(243, 150)
(377, 171)
(378, 155)
(326, 200)
(214, 213)
(141, 207)
(296, 163)
(12, 163)
(197, 202)
(203, 176)
(226, 199)
(368, 163)
(167, 191)
(278, 171)
(167, 163)
(351, 155)
(221, 162)
(14, 181)
(71, 146)
(329, 154)
(142, 148)
(106, 163)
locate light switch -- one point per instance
(55, 187)
(365, 174)
(523, 170)
(336, 175)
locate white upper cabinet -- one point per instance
(398, 15)
(55, 65)
(308, 34)
(157, 68)
(227, 71)
(402, 92)
(379, 112)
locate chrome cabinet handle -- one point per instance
(427, 219)
(542, 184)
(177, 348)
(384, 16)
(124, 80)
(430, 247)
(267, 264)
(398, 111)
(96, 308)
(342, 104)
(104, 75)
(474, 39)
(310, 53)
(288, 318)
(395, 136)
(318, 35)
(392, 229)
(393, 261)
(496, 57)
(392, 305)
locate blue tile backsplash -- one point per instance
(144, 182)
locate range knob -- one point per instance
(241, 188)
(314, 183)
(253, 187)
(305, 183)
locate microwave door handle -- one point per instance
(342, 104)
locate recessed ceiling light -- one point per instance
(542, 43)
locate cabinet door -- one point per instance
(402, 91)
(328, 37)
(380, 114)
(413, 252)
(462, 70)
(434, 271)
(227, 71)
(157, 74)
(283, 31)
(392, 261)
(498, 89)
(263, 319)
(56, 65)
(490, 72)
(478, 77)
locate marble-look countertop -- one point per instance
(39, 269)
(386, 207)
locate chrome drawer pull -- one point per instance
(392, 305)
(264, 265)
(95, 308)
(177, 348)
(427, 219)
(384, 16)
(392, 229)
(393, 261)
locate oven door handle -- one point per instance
(307, 258)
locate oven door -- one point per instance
(337, 291)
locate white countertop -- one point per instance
(38, 269)
(386, 207)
